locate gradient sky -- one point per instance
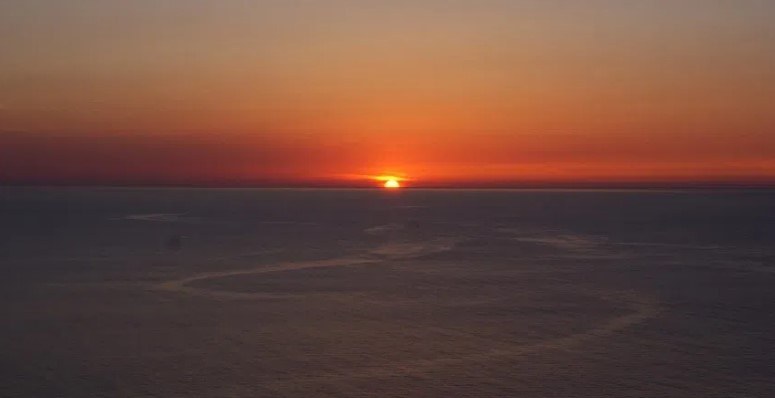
(443, 92)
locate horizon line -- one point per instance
(654, 185)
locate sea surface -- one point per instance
(373, 293)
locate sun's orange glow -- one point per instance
(392, 184)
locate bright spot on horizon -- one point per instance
(392, 184)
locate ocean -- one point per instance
(118, 292)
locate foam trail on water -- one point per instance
(154, 217)
(393, 251)
(641, 309)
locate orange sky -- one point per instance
(443, 92)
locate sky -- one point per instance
(440, 92)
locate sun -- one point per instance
(392, 184)
(390, 181)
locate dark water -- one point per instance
(313, 293)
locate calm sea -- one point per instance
(412, 293)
